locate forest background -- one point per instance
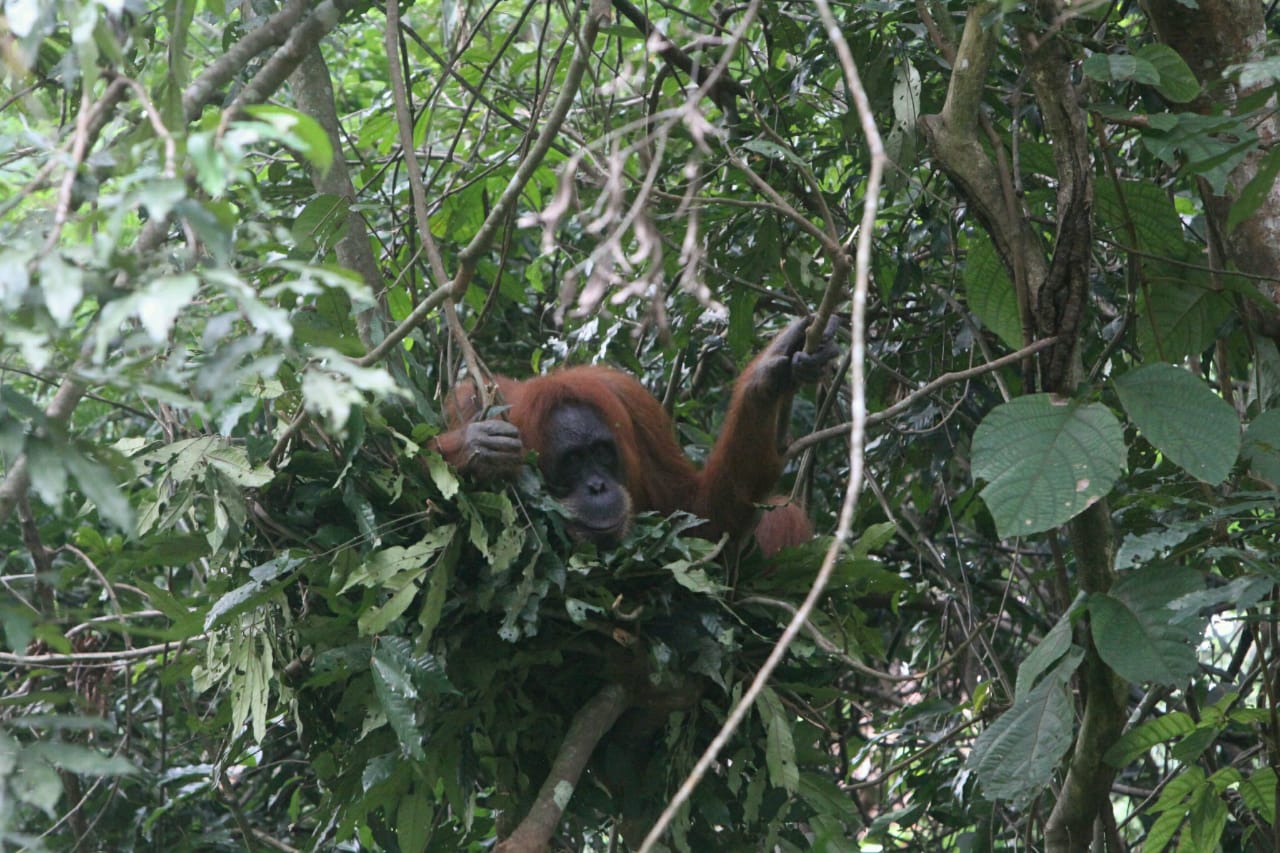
(245, 250)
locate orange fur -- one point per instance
(740, 473)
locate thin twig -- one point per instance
(819, 436)
(92, 658)
(858, 414)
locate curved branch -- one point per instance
(858, 413)
(275, 30)
(302, 38)
(100, 658)
(589, 725)
(818, 436)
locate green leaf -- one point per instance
(1183, 419)
(414, 820)
(1259, 793)
(989, 292)
(1141, 210)
(692, 575)
(99, 486)
(1172, 807)
(1045, 460)
(397, 694)
(437, 590)
(1120, 67)
(1016, 756)
(388, 565)
(1261, 447)
(442, 475)
(872, 538)
(233, 462)
(376, 619)
(159, 303)
(81, 760)
(265, 581)
(297, 130)
(1176, 80)
(742, 325)
(825, 797)
(1141, 738)
(774, 151)
(1042, 658)
(1206, 819)
(1137, 549)
(46, 470)
(62, 285)
(321, 222)
(1191, 747)
(1256, 191)
(1178, 317)
(1136, 631)
(1209, 145)
(780, 748)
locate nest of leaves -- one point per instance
(442, 635)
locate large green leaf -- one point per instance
(1143, 211)
(1176, 80)
(990, 293)
(1257, 190)
(1050, 650)
(397, 694)
(1141, 738)
(1178, 317)
(1183, 419)
(1016, 756)
(1259, 793)
(1121, 67)
(1262, 447)
(1138, 634)
(780, 748)
(1045, 460)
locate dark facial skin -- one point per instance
(584, 472)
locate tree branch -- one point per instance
(953, 141)
(589, 725)
(313, 92)
(470, 256)
(818, 436)
(275, 30)
(302, 39)
(858, 415)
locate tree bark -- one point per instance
(588, 727)
(1053, 298)
(1210, 37)
(313, 93)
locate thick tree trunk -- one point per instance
(1052, 289)
(1211, 37)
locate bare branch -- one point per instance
(589, 725)
(95, 658)
(273, 31)
(858, 416)
(817, 437)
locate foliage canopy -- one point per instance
(245, 251)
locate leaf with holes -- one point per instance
(1045, 460)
